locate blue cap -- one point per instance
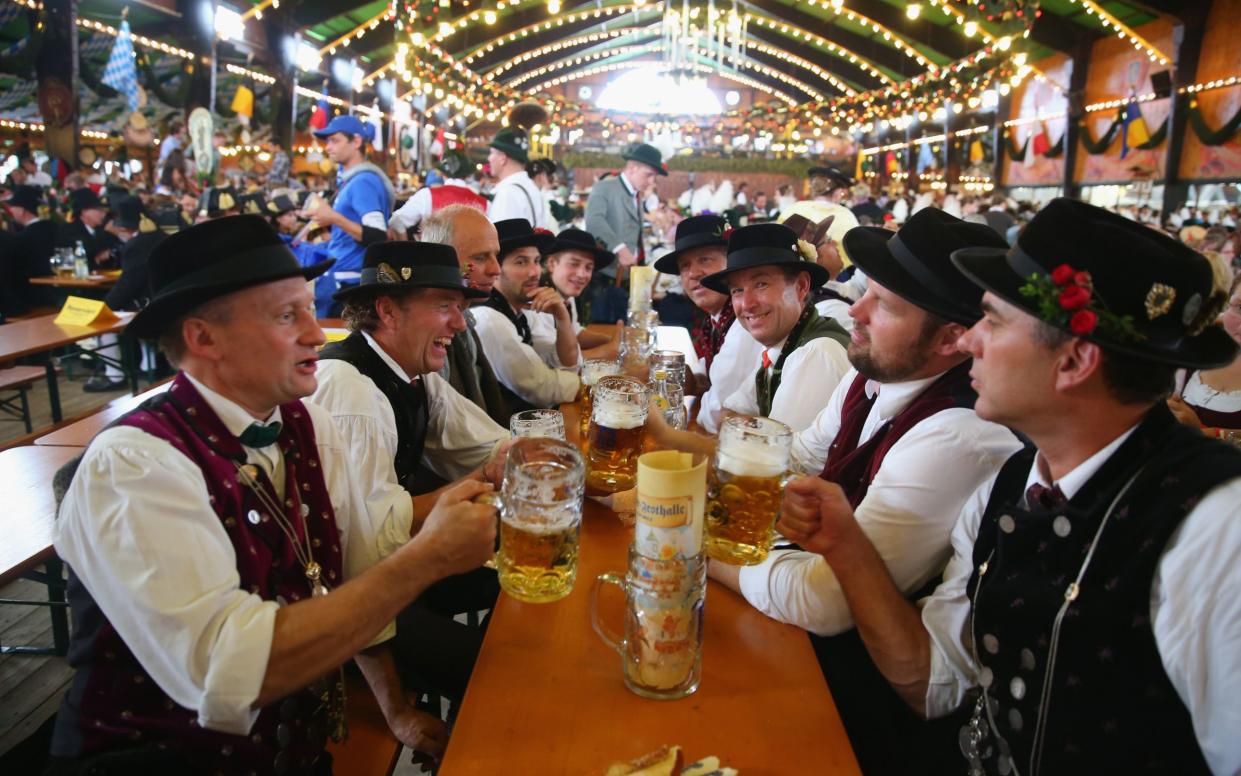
(349, 124)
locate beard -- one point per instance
(892, 367)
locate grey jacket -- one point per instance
(612, 216)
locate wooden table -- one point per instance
(26, 523)
(41, 335)
(547, 697)
(81, 433)
(98, 282)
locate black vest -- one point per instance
(1108, 705)
(409, 402)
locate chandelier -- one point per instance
(695, 36)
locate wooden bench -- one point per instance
(370, 749)
(20, 379)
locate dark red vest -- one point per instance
(113, 702)
(852, 466)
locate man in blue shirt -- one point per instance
(364, 198)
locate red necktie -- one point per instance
(766, 360)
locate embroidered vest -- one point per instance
(113, 703)
(1107, 705)
(707, 335)
(810, 326)
(449, 194)
(409, 402)
(852, 466)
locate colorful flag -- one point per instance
(243, 104)
(319, 116)
(121, 73)
(377, 120)
(926, 157)
(977, 152)
(891, 164)
(1040, 143)
(1133, 130)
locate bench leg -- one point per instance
(53, 390)
(53, 578)
(26, 410)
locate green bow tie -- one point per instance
(259, 435)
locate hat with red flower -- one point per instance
(1099, 275)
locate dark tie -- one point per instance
(259, 435)
(1040, 496)
(637, 196)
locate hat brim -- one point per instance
(150, 321)
(668, 263)
(512, 151)
(602, 256)
(868, 248)
(718, 281)
(544, 242)
(660, 169)
(401, 288)
(989, 268)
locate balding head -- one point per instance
(473, 237)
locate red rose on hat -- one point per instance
(1062, 274)
(1083, 322)
(1074, 298)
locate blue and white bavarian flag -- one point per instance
(121, 73)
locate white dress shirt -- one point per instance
(137, 527)
(517, 197)
(811, 373)
(739, 356)
(518, 366)
(419, 206)
(1195, 611)
(908, 512)
(460, 437)
(543, 333)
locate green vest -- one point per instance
(812, 326)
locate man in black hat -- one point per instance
(87, 227)
(515, 194)
(223, 562)
(900, 437)
(614, 209)
(1087, 617)
(453, 190)
(130, 218)
(217, 202)
(828, 184)
(529, 379)
(29, 253)
(399, 418)
(571, 263)
(133, 286)
(724, 351)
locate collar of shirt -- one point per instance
(715, 319)
(633, 190)
(234, 417)
(895, 397)
(516, 179)
(387, 359)
(1073, 481)
(773, 352)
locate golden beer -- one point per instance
(614, 438)
(593, 370)
(745, 489)
(538, 563)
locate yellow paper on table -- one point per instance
(79, 311)
(672, 494)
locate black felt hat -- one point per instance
(572, 239)
(26, 197)
(916, 262)
(210, 260)
(838, 178)
(694, 232)
(216, 201)
(280, 204)
(647, 154)
(1099, 275)
(252, 204)
(517, 233)
(130, 214)
(85, 198)
(764, 245)
(512, 142)
(396, 267)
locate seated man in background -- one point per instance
(399, 418)
(571, 262)
(225, 513)
(504, 330)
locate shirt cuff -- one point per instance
(616, 248)
(237, 666)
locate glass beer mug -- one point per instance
(616, 432)
(540, 505)
(746, 488)
(661, 648)
(537, 423)
(593, 370)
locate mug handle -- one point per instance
(492, 499)
(596, 621)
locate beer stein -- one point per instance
(661, 648)
(668, 365)
(537, 423)
(540, 505)
(593, 369)
(746, 488)
(635, 349)
(617, 429)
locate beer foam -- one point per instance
(543, 519)
(618, 415)
(745, 458)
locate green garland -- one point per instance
(792, 167)
(1095, 148)
(1015, 153)
(1207, 135)
(151, 82)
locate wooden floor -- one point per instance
(73, 402)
